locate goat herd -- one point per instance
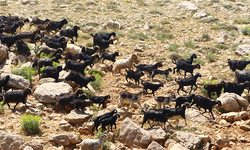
(58, 46)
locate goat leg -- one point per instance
(211, 113)
(16, 105)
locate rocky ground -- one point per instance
(154, 30)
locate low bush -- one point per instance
(31, 123)
(173, 47)
(97, 83)
(26, 72)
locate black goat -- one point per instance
(103, 44)
(56, 45)
(205, 103)
(106, 36)
(52, 72)
(101, 117)
(186, 67)
(100, 100)
(134, 76)
(109, 56)
(214, 88)
(56, 25)
(3, 83)
(36, 21)
(148, 68)
(242, 76)
(22, 48)
(79, 79)
(155, 115)
(16, 97)
(70, 33)
(47, 62)
(84, 57)
(11, 28)
(31, 37)
(76, 66)
(181, 100)
(189, 60)
(236, 88)
(109, 121)
(151, 86)
(188, 81)
(47, 50)
(65, 100)
(89, 51)
(80, 104)
(161, 72)
(237, 64)
(9, 40)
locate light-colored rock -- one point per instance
(155, 146)
(113, 24)
(204, 138)
(245, 127)
(16, 81)
(88, 126)
(187, 6)
(10, 142)
(64, 125)
(33, 144)
(74, 139)
(196, 116)
(222, 142)
(25, 2)
(46, 80)
(87, 29)
(46, 93)
(223, 35)
(76, 116)
(232, 102)
(2, 1)
(158, 134)
(230, 116)
(63, 74)
(133, 136)
(243, 50)
(22, 58)
(3, 52)
(220, 40)
(60, 139)
(178, 146)
(188, 140)
(199, 15)
(13, 58)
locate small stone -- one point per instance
(245, 127)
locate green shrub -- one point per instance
(31, 123)
(246, 30)
(91, 71)
(95, 108)
(198, 61)
(221, 46)
(206, 36)
(139, 36)
(190, 44)
(160, 3)
(1, 108)
(242, 21)
(97, 83)
(89, 45)
(211, 57)
(173, 47)
(26, 72)
(209, 20)
(88, 93)
(163, 36)
(43, 55)
(155, 12)
(165, 22)
(227, 6)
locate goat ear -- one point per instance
(28, 91)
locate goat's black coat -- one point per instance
(148, 68)
(16, 97)
(100, 100)
(236, 88)
(205, 103)
(109, 121)
(110, 57)
(151, 86)
(79, 79)
(133, 76)
(106, 36)
(214, 88)
(161, 72)
(189, 60)
(80, 104)
(3, 83)
(36, 21)
(52, 72)
(70, 32)
(76, 66)
(238, 64)
(181, 100)
(181, 65)
(22, 48)
(47, 62)
(89, 51)
(56, 25)
(9, 40)
(188, 81)
(103, 44)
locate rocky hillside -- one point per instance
(215, 30)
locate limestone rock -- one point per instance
(16, 81)
(245, 127)
(64, 125)
(133, 136)
(195, 116)
(74, 139)
(46, 80)
(113, 24)
(46, 93)
(232, 102)
(220, 40)
(199, 15)
(187, 6)
(87, 29)
(178, 146)
(60, 139)
(243, 50)
(28, 148)
(222, 142)
(188, 140)
(76, 116)
(204, 138)
(25, 2)
(10, 142)
(158, 134)
(3, 52)
(35, 145)
(155, 146)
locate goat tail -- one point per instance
(175, 80)
(92, 35)
(174, 61)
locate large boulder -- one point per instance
(235, 116)
(3, 52)
(16, 81)
(232, 102)
(35, 145)
(187, 6)
(76, 116)
(62, 139)
(188, 140)
(10, 142)
(243, 50)
(195, 116)
(46, 93)
(155, 146)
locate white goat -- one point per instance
(91, 144)
(73, 48)
(124, 63)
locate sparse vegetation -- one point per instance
(211, 57)
(173, 47)
(222, 46)
(139, 36)
(206, 36)
(190, 44)
(97, 83)
(209, 20)
(26, 72)
(31, 124)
